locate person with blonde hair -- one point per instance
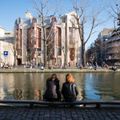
(69, 89)
(70, 78)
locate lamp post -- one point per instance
(105, 51)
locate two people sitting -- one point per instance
(69, 89)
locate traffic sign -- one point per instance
(5, 53)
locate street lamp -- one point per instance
(105, 49)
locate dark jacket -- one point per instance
(69, 91)
(52, 92)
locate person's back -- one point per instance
(52, 92)
(69, 90)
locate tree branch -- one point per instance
(91, 30)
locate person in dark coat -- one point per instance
(69, 89)
(52, 92)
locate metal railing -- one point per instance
(32, 103)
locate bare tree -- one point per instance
(50, 34)
(115, 13)
(41, 7)
(81, 22)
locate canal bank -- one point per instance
(35, 70)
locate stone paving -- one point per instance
(49, 113)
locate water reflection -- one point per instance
(18, 94)
(102, 86)
(29, 86)
(38, 95)
(6, 86)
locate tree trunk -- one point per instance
(65, 52)
(45, 50)
(44, 42)
(81, 33)
(83, 53)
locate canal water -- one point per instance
(31, 86)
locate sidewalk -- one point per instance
(59, 113)
(35, 70)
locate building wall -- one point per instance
(63, 42)
(34, 42)
(28, 40)
(2, 31)
(100, 44)
(18, 45)
(113, 48)
(53, 39)
(72, 43)
(6, 44)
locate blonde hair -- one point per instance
(70, 78)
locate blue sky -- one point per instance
(12, 9)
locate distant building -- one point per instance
(6, 47)
(71, 52)
(27, 39)
(54, 42)
(103, 36)
(113, 46)
(62, 41)
(105, 33)
(97, 53)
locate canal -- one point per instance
(31, 86)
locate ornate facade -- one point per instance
(71, 40)
(62, 41)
